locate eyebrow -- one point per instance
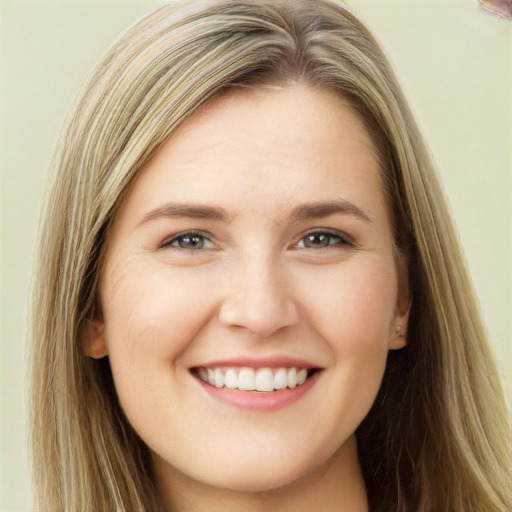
(325, 208)
(195, 211)
(315, 210)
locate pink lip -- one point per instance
(274, 362)
(260, 400)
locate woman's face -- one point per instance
(254, 250)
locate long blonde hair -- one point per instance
(438, 435)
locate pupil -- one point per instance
(317, 240)
(191, 242)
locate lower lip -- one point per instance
(260, 400)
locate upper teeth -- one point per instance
(249, 379)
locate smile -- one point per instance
(251, 379)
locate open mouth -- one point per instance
(250, 379)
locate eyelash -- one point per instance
(342, 240)
(172, 242)
(175, 239)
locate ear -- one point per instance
(398, 337)
(95, 343)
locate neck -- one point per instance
(336, 485)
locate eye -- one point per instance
(191, 241)
(321, 240)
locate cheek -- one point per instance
(359, 341)
(151, 316)
(354, 315)
(355, 307)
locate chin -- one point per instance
(265, 472)
(251, 480)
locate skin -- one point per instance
(254, 288)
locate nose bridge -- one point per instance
(258, 296)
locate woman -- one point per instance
(249, 292)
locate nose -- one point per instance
(258, 297)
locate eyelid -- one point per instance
(345, 239)
(169, 240)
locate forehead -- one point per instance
(265, 148)
(290, 121)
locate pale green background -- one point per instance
(454, 61)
